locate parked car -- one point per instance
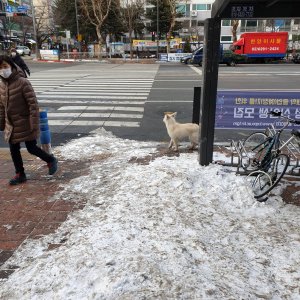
(296, 58)
(186, 59)
(23, 50)
(226, 57)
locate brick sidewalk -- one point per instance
(29, 210)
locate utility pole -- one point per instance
(34, 29)
(77, 26)
(157, 29)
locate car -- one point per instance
(23, 50)
(186, 59)
(227, 57)
(296, 58)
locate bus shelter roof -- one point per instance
(255, 9)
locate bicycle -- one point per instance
(265, 162)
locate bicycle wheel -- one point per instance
(277, 169)
(259, 182)
(254, 148)
(275, 172)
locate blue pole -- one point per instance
(45, 135)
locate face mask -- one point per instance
(13, 54)
(6, 72)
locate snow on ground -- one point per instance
(168, 230)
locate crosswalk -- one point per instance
(88, 99)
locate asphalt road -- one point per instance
(173, 90)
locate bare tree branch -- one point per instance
(96, 12)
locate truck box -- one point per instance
(262, 46)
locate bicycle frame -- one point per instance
(292, 148)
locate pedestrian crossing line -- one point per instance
(94, 93)
(110, 88)
(92, 96)
(121, 124)
(112, 102)
(112, 108)
(96, 88)
(94, 115)
(93, 123)
(88, 80)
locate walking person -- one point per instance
(18, 60)
(19, 118)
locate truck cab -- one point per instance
(226, 57)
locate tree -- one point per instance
(64, 14)
(96, 12)
(166, 19)
(235, 25)
(132, 13)
(187, 46)
(44, 26)
(114, 24)
(172, 4)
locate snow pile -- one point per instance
(168, 230)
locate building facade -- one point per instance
(196, 11)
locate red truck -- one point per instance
(262, 47)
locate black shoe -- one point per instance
(52, 166)
(19, 178)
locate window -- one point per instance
(201, 6)
(226, 22)
(248, 23)
(186, 24)
(296, 21)
(194, 23)
(188, 10)
(149, 10)
(200, 23)
(226, 38)
(180, 9)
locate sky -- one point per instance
(170, 229)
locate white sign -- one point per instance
(49, 54)
(68, 34)
(175, 57)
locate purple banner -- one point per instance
(249, 110)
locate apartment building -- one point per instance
(196, 11)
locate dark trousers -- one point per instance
(33, 149)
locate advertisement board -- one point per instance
(249, 109)
(49, 54)
(175, 57)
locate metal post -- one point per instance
(34, 29)
(196, 104)
(67, 44)
(77, 25)
(157, 29)
(212, 32)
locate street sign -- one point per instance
(21, 8)
(8, 8)
(68, 34)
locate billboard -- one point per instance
(249, 109)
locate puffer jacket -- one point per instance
(19, 111)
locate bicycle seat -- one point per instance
(296, 133)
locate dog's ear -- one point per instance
(174, 114)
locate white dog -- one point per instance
(178, 131)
